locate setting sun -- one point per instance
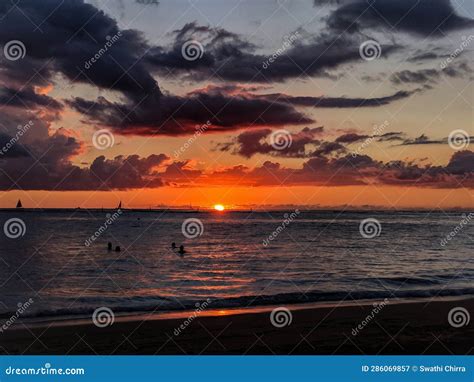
(219, 207)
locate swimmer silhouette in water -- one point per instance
(117, 248)
(173, 245)
(181, 250)
(109, 246)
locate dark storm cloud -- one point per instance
(427, 54)
(350, 138)
(254, 142)
(28, 99)
(306, 143)
(418, 17)
(307, 101)
(328, 148)
(418, 76)
(425, 140)
(220, 45)
(228, 56)
(330, 166)
(391, 136)
(173, 115)
(339, 102)
(357, 170)
(461, 163)
(71, 34)
(354, 137)
(57, 42)
(63, 36)
(427, 76)
(120, 173)
(10, 148)
(459, 172)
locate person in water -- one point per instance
(173, 245)
(117, 248)
(181, 250)
(109, 246)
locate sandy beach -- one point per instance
(415, 327)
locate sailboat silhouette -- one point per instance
(19, 205)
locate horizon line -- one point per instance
(243, 209)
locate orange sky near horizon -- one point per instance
(380, 126)
(243, 197)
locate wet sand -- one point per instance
(420, 327)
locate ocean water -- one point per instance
(237, 259)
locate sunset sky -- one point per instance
(244, 103)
